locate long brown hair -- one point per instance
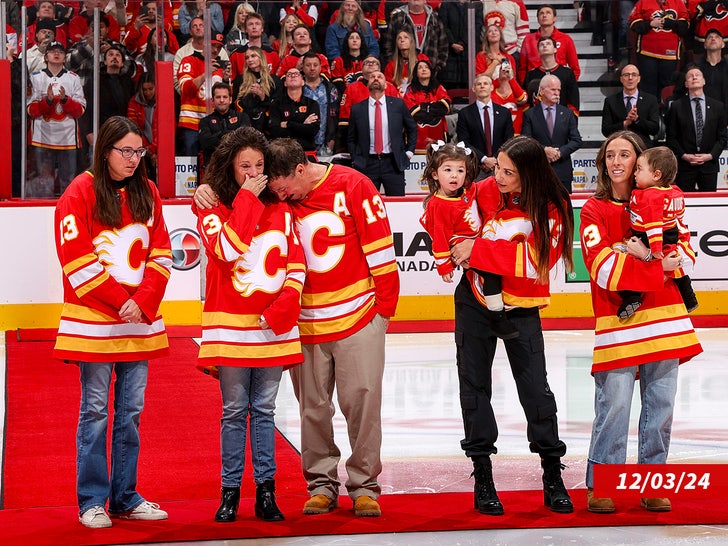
(220, 173)
(446, 152)
(400, 60)
(541, 188)
(140, 197)
(604, 183)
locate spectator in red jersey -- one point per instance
(194, 91)
(284, 44)
(302, 43)
(249, 330)
(565, 49)
(347, 68)
(78, 25)
(47, 10)
(136, 36)
(660, 26)
(429, 103)
(305, 12)
(488, 61)
(400, 69)
(510, 94)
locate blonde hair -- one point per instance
(249, 78)
(399, 61)
(284, 41)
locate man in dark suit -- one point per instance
(631, 109)
(696, 133)
(382, 158)
(555, 127)
(471, 125)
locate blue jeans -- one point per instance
(93, 485)
(612, 403)
(248, 391)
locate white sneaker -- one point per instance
(95, 518)
(145, 511)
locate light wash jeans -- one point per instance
(248, 391)
(612, 402)
(93, 485)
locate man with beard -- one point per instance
(384, 156)
(350, 17)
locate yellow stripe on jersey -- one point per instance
(222, 319)
(320, 327)
(267, 351)
(378, 244)
(162, 270)
(113, 345)
(642, 317)
(631, 349)
(345, 294)
(79, 263)
(79, 312)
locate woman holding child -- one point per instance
(651, 343)
(528, 227)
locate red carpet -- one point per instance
(179, 467)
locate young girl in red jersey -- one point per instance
(656, 210)
(451, 215)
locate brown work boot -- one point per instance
(319, 504)
(598, 505)
(366, 506)
(656, 505)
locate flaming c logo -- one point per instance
(185, 249)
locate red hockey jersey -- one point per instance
(661, 328)
(103, 267)
(255, 269)
(352, 272)
(659, 43)
(654, 210)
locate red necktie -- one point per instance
(486, 130)
(378, 137)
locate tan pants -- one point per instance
(355, 365)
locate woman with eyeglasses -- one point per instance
(115, 252)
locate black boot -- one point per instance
(486, 497)
(228, 511)
(555, 495)
(265, 502)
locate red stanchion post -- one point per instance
(6, 152)
(167, 124)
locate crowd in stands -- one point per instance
(285, 61)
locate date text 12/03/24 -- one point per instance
(660, 480)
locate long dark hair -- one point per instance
(416, 85)
(220, 173)
(346, 54)
(540, 189)
(140, 197)
(445, 152)
(604, 182)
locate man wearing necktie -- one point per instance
(696, 133)
(555, 126)
(484, 126)
(382, 137)
(630, 108)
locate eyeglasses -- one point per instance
(293, 74)
(128, 153)
(371, 62)
(630, 75)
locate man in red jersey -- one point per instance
(349, 295)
